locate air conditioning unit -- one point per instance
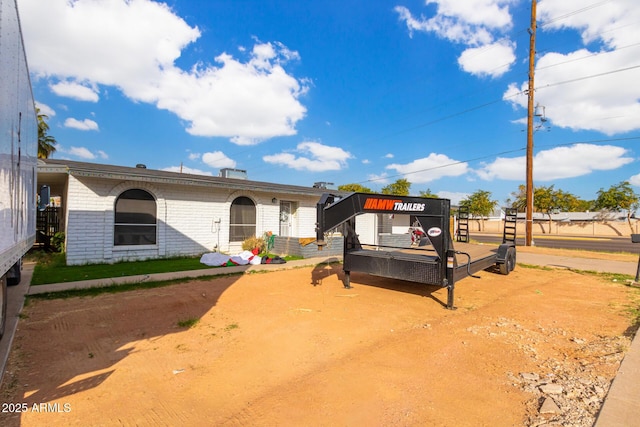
(233, 173)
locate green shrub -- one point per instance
(57, 241)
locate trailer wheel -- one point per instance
(509, 263)
(3, 305)
(14, 275)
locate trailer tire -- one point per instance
(14, 275)
(3, 305)
(509, 263)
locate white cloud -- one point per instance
(217, 159)
(382, 178)
(85, 124)
(194, 156)
(45, 109)
(185, 169)
(473, 23)
(388, 156)
(430, 168)
(313, 157)
(81, 152)
(455, 197)
(594, 87)
(366, 161)
(491, 60)
(549, 165)
(635, 180)
(75, 91)
(133, 45)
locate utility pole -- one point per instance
(530, 117)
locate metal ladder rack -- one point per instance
(510, 217)
(463, 224)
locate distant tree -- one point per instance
(46, 143)
(480, 205)
(518, 199)
(355, 188)
(564, 201)
(617, 198)
(567, 202)
(428, 194)
(546, 200)
(399, 188)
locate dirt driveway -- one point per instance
(295, 348)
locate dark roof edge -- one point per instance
(153, 175)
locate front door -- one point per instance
(285, 218)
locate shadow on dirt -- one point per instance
(334, 267)
(80, 364)
(326, 269)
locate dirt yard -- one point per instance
(295, 348)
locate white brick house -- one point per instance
(112, 213)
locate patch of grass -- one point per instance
(611, 277)
(533, 266)
(114, 289)
(52, 268)
(231, 327)
(188, 323)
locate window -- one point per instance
(242, 223)
(135, 220)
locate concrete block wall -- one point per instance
(195, 220)
(395, 240)
(305, 224)
(292, 246)
(85, 219)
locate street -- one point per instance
(605, 244)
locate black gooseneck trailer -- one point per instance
(434, 262)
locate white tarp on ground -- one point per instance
(216, 259)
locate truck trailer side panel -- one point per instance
(18, 150)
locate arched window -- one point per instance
(135, 219)
(242, 223)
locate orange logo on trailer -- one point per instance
(394, 205)
(381, 204)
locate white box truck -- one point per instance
(18, 153)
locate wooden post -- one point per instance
(529, 186)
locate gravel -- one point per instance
(570, 392)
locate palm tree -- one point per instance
(46, 143)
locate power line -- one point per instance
(575, 12)
(589, 77)
(589, 56)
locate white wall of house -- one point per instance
(401, 224)
(190, 219)
(367, 228)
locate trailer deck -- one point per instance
(422, 264)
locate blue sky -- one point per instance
(344, 91)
